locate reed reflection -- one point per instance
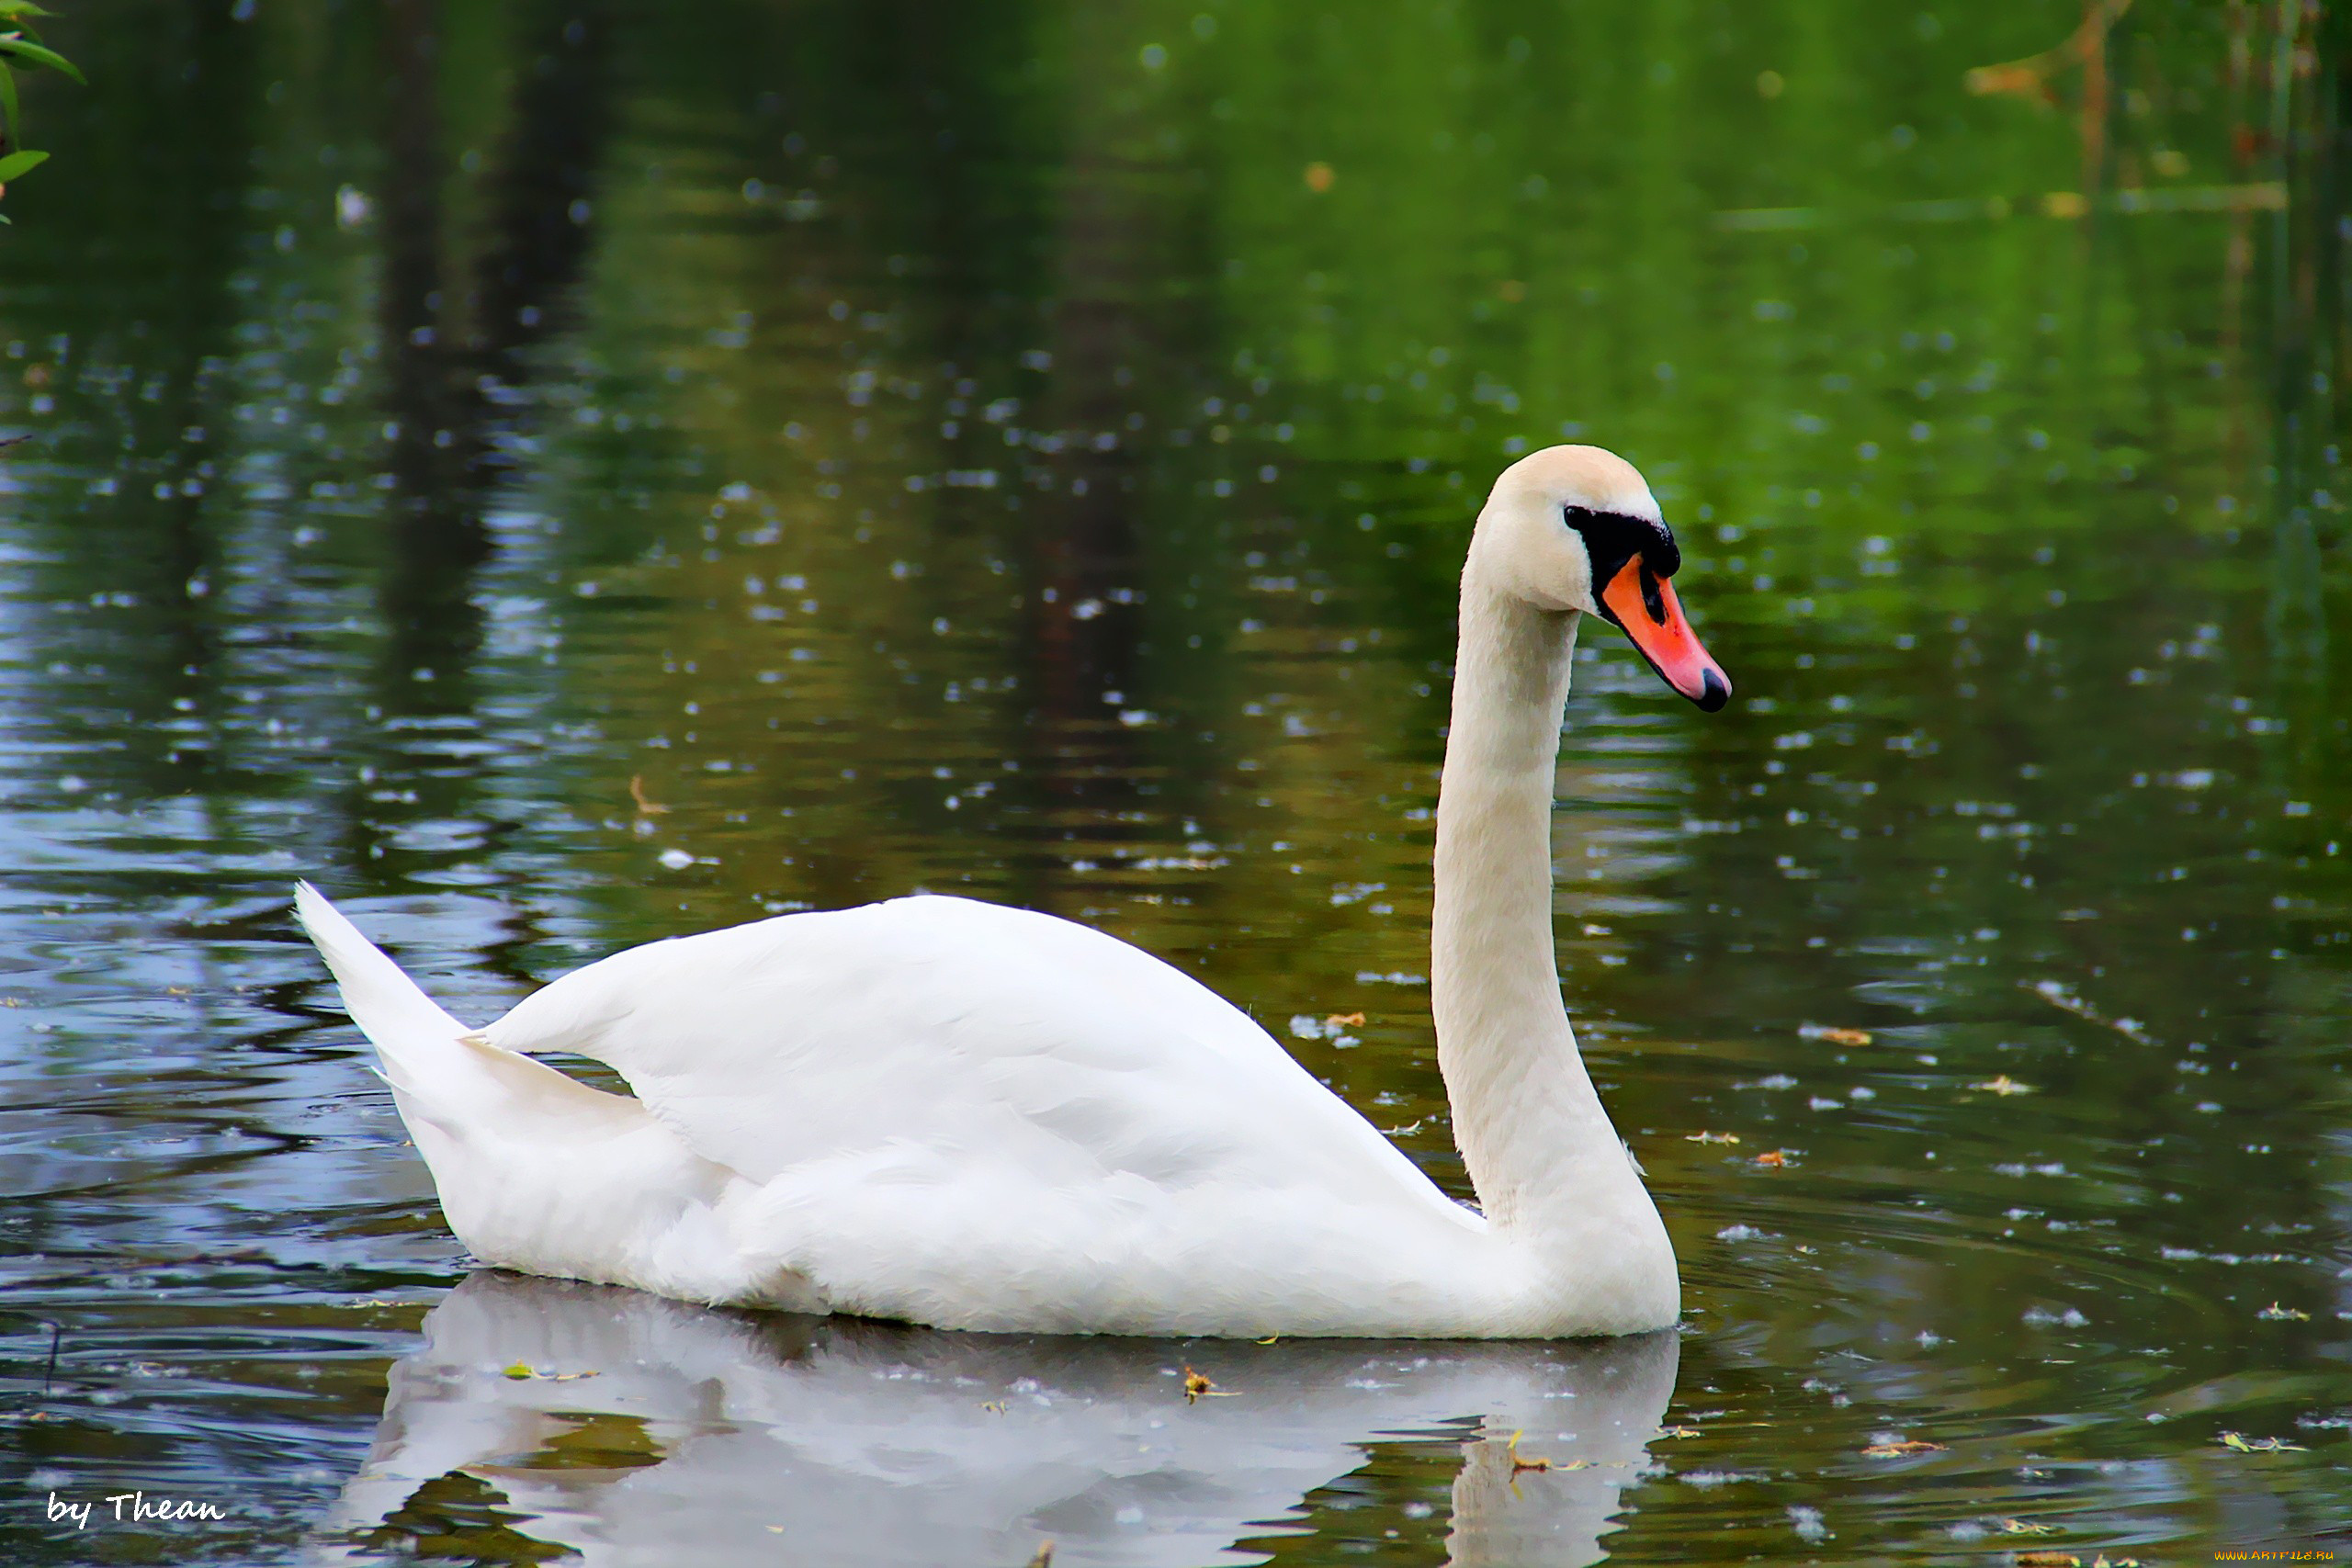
(456, 365)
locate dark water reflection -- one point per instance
(562, 474)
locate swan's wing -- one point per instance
(998, 1044)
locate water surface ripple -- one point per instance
(560, 473)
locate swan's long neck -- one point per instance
(1548, 1166)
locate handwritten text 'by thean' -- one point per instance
(134, 1507)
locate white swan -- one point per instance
(976, 1117)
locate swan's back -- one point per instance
(962, 1029)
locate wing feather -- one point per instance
(1007, 1046)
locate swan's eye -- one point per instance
(1612, 538)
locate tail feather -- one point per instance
(441, 1068)
(383, 1001)
(537, 1170)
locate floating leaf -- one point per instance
(1679, 1432)
(2049, 1560)
(1519, 1462)
(1344, 1020)
(2004, 1085)
(2260, 1445)
(1711, 1138)
(520, 1370)
(2274, 1312)
(1773, 1157)
(1898, 1450)
(2021, 1526)
(1835, 1036)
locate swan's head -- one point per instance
(1577, 529)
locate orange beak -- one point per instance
(1643, 603)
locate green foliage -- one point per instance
(19, 45)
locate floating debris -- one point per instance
(2003, 1085)
(1519, 1461)
(1902, 1449)
(1197, 1386)
(523, 1370)
(2049, 1560)
(1679, 1432)
(1344, 1020)
(2021, 1527)
(1835, 1036)
(2060, 996)
(637, 792)
(2274, 1312)
(2259, 1445)
(1705, 1137)
(1044, 1558)
(1775, 1157)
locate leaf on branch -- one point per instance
(40, 55)
(16, 164)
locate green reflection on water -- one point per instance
(1026, 449)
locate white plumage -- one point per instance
(977, 1117)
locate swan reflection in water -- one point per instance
(714, 1438)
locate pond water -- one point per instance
(562, 474)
